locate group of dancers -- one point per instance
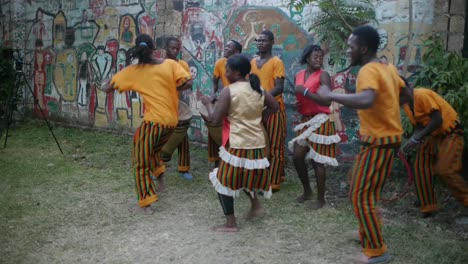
(251, 110)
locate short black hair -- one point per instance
(307, 51)
(171, 38)
(367, 36)
(269, 34)
(237, 45)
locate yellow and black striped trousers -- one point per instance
(213, 149)
(184, 155)
(442, 156)
(276, 130)
(148, 140)
(372, 166)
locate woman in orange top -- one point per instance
(157, 81)
(315, 136)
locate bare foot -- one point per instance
(135, 209)
(317, 205)
(160, 185)
(225, 228)
(260, 212)
(302, 198)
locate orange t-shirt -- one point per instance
(157, 84)
(424, 103)
(381, 123)
(184, 65)
(220, 71)
(270, 71)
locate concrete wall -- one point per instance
(73, 44)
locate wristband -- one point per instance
(415, 141)
(306, 91)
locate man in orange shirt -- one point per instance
(270, 70)
(438, 141)
(377, 100)
(232, 48)
(173, 46)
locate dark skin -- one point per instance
(359, 55)
(265, 46)
(229, 50)
(314, 63)
(173, 49)
(217, 113)
(420, 132)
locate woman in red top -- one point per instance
(315, 136)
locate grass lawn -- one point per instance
(73, 208)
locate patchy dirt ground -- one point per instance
(74, 209)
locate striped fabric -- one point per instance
(441, 156)
(213, 149)
(424, 175)
(147, 143)
(276, 130)
(184, 155)
(381, 141)
(372, 166)
(230, 180)
(326, 129)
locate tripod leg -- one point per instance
(42, 113)
(11, 101)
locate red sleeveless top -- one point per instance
(306, 106)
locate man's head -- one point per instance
(362, 43)
(406, 94)
(232, 47)
(173, 47)
(265, 41)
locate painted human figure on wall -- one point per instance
(127, 34)
(39, 30)
(84, 75)
(102, 65)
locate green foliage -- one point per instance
(336, 20)
(7, 77)
(446, 73)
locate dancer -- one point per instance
(315, 136)
(157, 81)
(232, 48)
(173, 46)
(243, 165)
(270, 70)
(438, 142)
(377, 100)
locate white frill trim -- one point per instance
(314, 123)
(229, 192)
(242, 162)
(312, 154)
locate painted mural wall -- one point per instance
(72, 45)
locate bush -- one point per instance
(446, 73)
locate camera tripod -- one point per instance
(12, 98)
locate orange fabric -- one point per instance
(273, 69)
(425, 102)
(382, 120)
(184, 65)
(220, 71)
(157, 84)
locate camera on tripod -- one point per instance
(18, 60)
